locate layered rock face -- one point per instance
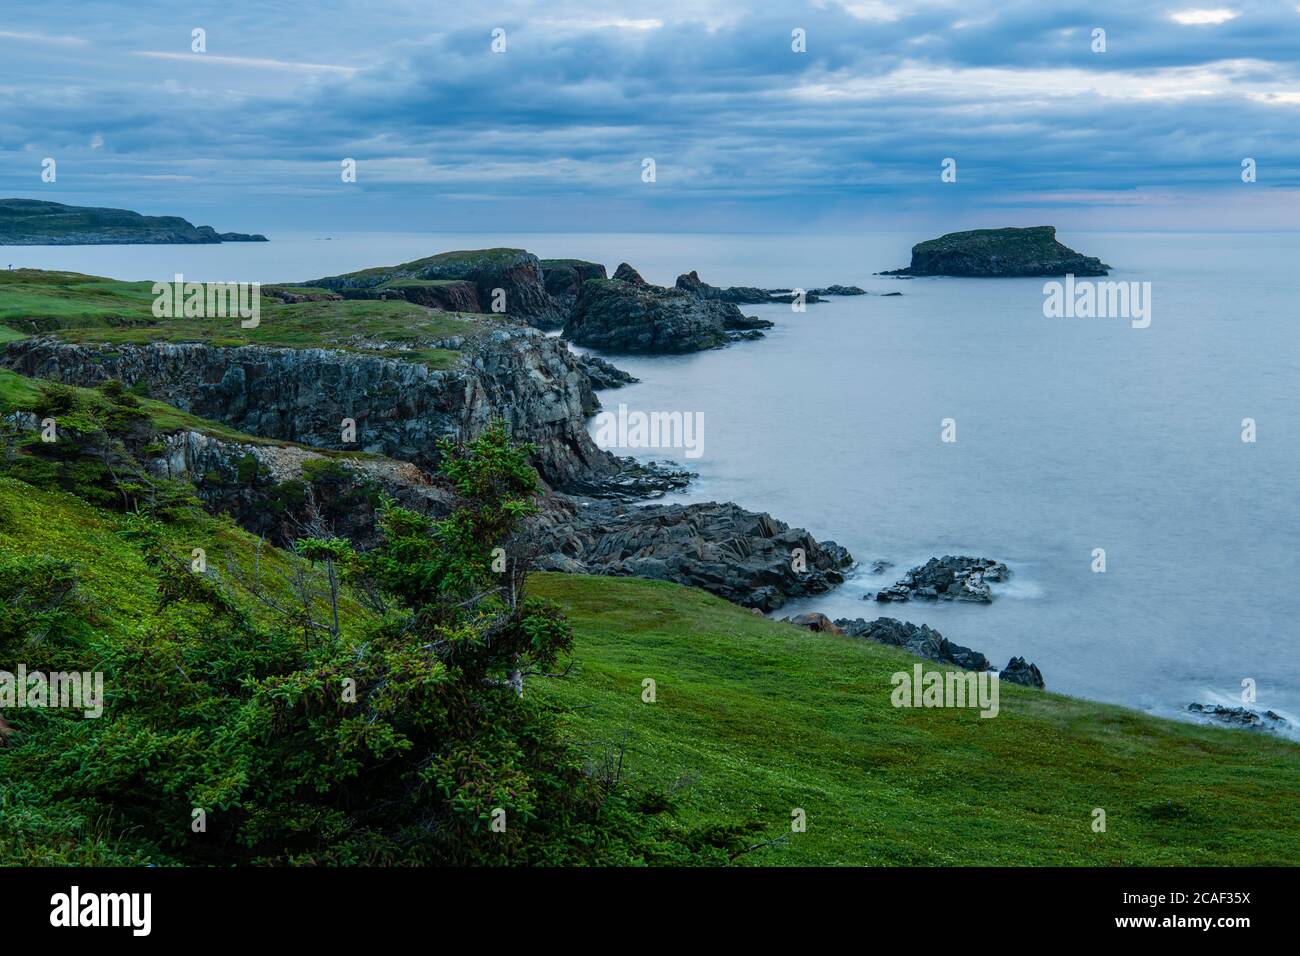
(563, 279)
(514, 271)
(400, 408)
(283, 492)
(745, 557)
(1000, 253)
(623, 315)
(447, 295)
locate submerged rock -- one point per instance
(838, 290)
(999, 253)
(1240, 716)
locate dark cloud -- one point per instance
(712, 92)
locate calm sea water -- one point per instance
(1072, 434)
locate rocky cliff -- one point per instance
(1000, 253)
(564, 278)
(400, 408)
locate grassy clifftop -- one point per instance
(759, 718)
(90, 309)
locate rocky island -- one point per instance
(33, 222)
(1000, 253)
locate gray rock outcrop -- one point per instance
(745, 557)
(947, 579)
(921, 640)
(621, 315)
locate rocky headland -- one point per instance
(33, 222)
(1000, 253)
(628, 314)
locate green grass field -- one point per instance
(88, 309)
(756, 718)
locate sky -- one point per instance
(550, 131)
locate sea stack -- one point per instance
(1000, 253)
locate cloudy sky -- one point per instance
(746, 134)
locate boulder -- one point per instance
(1019, 671)
(813, 621)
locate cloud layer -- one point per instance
(745, 132)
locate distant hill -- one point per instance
(33, 222)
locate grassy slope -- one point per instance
(117, 588)
(759, 717)
(764, 717)
(91, 309)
